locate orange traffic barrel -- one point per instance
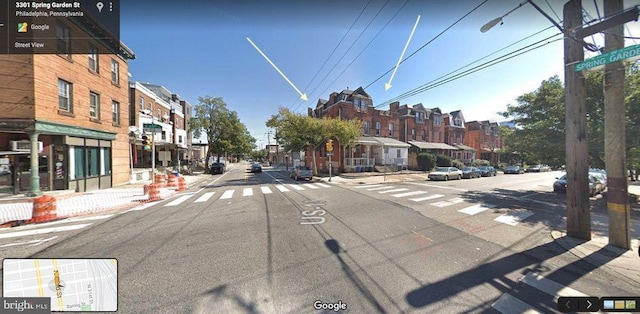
(154, 192)
(160, 180)
(173, 181)
(44, 209)
(182, 184)
(145, 189)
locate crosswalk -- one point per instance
(512, 303)
(511, 217)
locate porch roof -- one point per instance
(383, 141)
(427, 145)
(464, 147)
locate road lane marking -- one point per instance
(409, 193)
(282, 188)
(448, 203)
(42, 231)
(141, 207)
(393, 191)
(205, 197)
(550, 287)
(510, 304)
(381, 188)
(438, 186)
(367, 186)
(430, 197)
(247, 192)
(296, 186)
(322, 185)
(515, 217)
(478, 208)
(265, 190)
(178, 200)
(311, 186)
(227, 194)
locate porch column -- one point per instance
(34, 188)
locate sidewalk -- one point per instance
(70, 203)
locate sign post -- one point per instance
(152, 127)
(329, 147)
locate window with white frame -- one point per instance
(457, 121)
(63, 39)
(115, 109)
(94, 105)
(419, 117)
(141, 103)
(378, 128)
(366, 127)
(93, 58)
(64, 96)
(413, 134)
(436, 120)
(356, 103)
(115, 72)
(424, 135)
(390, 129)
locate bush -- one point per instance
(457, 163)
(426, 161)
(480, 163)
(443, 161)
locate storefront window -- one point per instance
(93, 158)
(105, 157)
(79, 161)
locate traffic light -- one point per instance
(329, 146)
(146, 142)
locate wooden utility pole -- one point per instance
(577, 145)
(614, 139)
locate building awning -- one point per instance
(464, 147)
(367, 140)
(486, 150)
(427, 145)
(387, 141)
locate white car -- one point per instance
(446, 173)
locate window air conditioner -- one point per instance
(24, 146)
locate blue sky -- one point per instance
(199, 48)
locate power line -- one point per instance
(552, 10)
(433, 83)
(334, 50)
(434, 38)
(365, 48)
(352, 44)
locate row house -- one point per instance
(379, 142)
(454, 134)
(64, 122)
(155, 105)
(484, 138)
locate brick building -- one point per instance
(379, 143)
(64, 121)
(484, 137)
(454, 135)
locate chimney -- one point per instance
(394, 106)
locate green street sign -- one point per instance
(151, 127)
(626, 53)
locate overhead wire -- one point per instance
(334, 50)
(345, 53)
(430, 41)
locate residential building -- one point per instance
(64, 123)
(379, 144)
(454, 134)
(484, 137)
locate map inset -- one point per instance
(72, 284)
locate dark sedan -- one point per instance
(217, 167)
(471, 172)
(513, 170)
(487, 171)
(595, 185)
(256, 167)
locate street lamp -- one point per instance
(497, 20)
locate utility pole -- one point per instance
(614, 139)
(577, 145)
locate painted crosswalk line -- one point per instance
(311, 186)
(394, 190)
(227, 194)
(515, 217)
(247, 192)
(205, 197)
(448, 203)
(478, 208)
(368, 186)
(382, 188)
(296, 187)
(322, 185)
(178, 200)
(426, 198)
(265, 190)
(282, 188)
(25, 233)
(409, 193)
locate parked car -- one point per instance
(471, 172)
(445, 173)
(599, 173)
(539, 168)
(487, 171)
(218, 167)
(303, 172)
(595, 185)
(256, 167)
(513, 170)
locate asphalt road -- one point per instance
(277, 246)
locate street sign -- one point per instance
(626, 53)
(329, 154)
(151, 127)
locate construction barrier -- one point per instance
(173, 181)
(145, 189)
(160, 180)
(44, 209)
(154, 192)
(182, 184)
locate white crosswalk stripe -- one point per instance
(381, 188)
(205, 197)
(247, 192)
(408, 194)
(393, 191)
(311, 186)
(508, 303)
(322, 185)
(296, 186)
(368, 186)
(448, 203)
(178, 200)
(515, 217)
(227, 194)
(265, 190)
(282, 188)
(478, 208)
(426, 198)
(41, 231)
